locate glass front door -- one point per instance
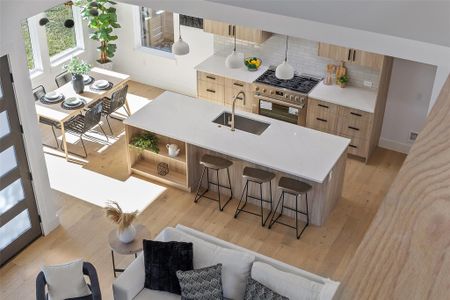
(19, 220)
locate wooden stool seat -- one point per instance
(257, 175)
(215, 162)
(293, 186)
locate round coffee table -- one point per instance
(127, 249)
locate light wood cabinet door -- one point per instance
(357, 146)
(367, 59)
(251, 34)
(211, 91)
(334, 52)
(217, 27)
(210, 78)
(354, 123)
(232, 88)
(321, 115)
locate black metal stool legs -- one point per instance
(198, 195)
(241, 209)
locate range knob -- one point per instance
(286, 96)
(297, 99)
(264, 90)
(291, 97)
(272, 92)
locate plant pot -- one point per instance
(127, 235)
(78, 83)
(108, 65)
(343, 85)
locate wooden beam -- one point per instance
(405, 254)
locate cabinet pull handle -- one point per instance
(210, 77)
(349, 53)
(238, 84)
(229, 29)
(234, 30)
(354, 53)
(353, 146)
(354, 128)
(321, 105)
(321, 120)
(211, 91)
(355, 114)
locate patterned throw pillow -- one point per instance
(257, 291)
(201, 284)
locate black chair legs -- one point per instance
(199, 195)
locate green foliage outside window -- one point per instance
(59, 37)
(28, 47)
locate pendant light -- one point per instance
(234, 60)
(284, 70)
(180, 47)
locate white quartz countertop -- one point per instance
(284, 147)
(353, 97)
(215, 64)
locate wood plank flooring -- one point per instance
(83, 233)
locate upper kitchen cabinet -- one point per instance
(242, 32)
(362, 58)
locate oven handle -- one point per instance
(279, 102)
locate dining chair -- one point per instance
(38, 93)
(111, 105)
(82, 123)
(63, 78)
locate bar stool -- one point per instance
(295, 188)
(211, 162)
(257, 176)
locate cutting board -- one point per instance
(340, 71)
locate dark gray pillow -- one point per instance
(257, 291)
(201, 284)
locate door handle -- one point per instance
(349, 53)
(355, 114)
(353, 146)
(229, 29)
(211, 91)
(210, 77)
(321, 105)
(238, 84)
(354, 128)
(354, 53)
(321, 120)
(234, 30)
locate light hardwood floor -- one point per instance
(83, 233)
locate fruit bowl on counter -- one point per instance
(252, 63)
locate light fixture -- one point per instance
(180, 47)
(284, 70)
(234, 60)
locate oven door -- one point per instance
(279, 110)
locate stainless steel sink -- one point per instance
(242, 123)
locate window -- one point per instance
(60, 38)
(156, 29)
(28, 45)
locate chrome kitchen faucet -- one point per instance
(231, 122)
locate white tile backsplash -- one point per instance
(302, 56)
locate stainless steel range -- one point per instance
(284, 100)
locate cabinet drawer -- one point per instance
(321, 115)
(210, 78)
(357, 146)
(354, 123)
(210, 91)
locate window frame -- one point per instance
(35, 47)
(79, 48)
(137, 28)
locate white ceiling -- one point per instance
(426, 21)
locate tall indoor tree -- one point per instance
(102, 19)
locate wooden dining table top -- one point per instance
(57, 113)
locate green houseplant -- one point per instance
(145, 141)
(77, 68)
(102, 19)
(343, 80)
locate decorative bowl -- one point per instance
(252, 63)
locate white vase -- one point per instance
(127, 235)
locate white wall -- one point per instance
(165, 71)
(407, 103)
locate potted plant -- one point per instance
(77, 68)
(343, 80)
(145, 141)
(102, 19)
(126, 232)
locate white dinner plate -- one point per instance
(86, 78)
(72, 101)
(52, 95)
(101, 83)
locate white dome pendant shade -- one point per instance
(180, 47)
(235, 60)
(284, 70)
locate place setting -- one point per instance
(52, 98)
(101, 85)
(87, 79)
(73, 103)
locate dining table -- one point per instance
(90, 95)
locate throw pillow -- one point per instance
(257, 291)
(66, 281)
(162, 260)
(201, 284)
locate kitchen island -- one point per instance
(288, 150)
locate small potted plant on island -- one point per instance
(102, 19)
(126, 232)
(343, 80)
(77, 68)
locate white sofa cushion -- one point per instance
(147, 294)
(286, 284)
(236, 265)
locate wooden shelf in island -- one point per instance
(149, 169)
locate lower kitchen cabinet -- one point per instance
(211, 91)
(321, 116)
